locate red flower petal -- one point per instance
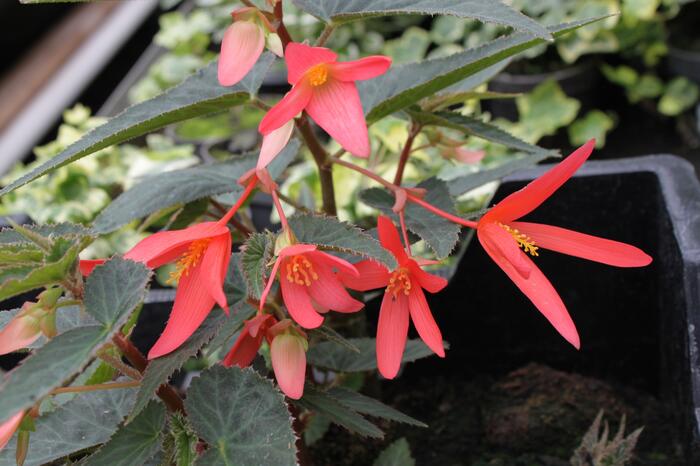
(215, 266)
(328, 292)
(301, 57)
(88, 265)
(537, 288)
(335, 106)
(358, 70)
(390, 239)
(372, 275)
(241, 47)
(244, 350)
(531, 196)
(424, 322)
(507, 247)
(392, 330)
(273, 143)
(427, 281)
(298, 302)
(286, 109)
(193, 302)
(167, 246)
(289, 363)
(334, 262)
(585, 246)
(8, 428)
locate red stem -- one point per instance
(280, 210)
(441, 213)
(405, 153)
(402, 220)
(232, 211)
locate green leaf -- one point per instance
(85, 421)
(327, 333)
(404, 85)
(462, 184)
(321, 402)
(159, 370)
(371, 407)
(257, 254)
(680, 95)
(474, 127)
(544, 110)
(11, 236)
(595, 124)
(331, 356)
(242, 416)
(115, 289)
(69, 353)
(184, 441)
(182, 186)
(329, 233)
(490, 11)
(396, 454)
(439, 233)
(200, 94)
(134, 443)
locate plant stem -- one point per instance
(68, 302)
(292, 202)
(325, 35)
(280, 210)
(325, 168)
(95, 388)
(441, 213)
(165, 392)
(281, 28)
(416, 200)
(117, 364)
(244, 196)
(402, 221)
(406, 152)
(237, 224)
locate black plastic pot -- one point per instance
(577, 81)
(684, 63)
(639, 327)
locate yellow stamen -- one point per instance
(524, 241)
(318, 74)
(399, 281)
(301, 271)
(189, 259)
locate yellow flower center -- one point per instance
(523, 240)
(301, 271)
(400, 281)
(317, 74)
(189, 259)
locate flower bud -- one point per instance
(8, 428)
(288, 353)
(22, 330)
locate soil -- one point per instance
(534, 415)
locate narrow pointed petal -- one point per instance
(167, 246)
(358, 70)
(429, 282)
(424, 322)
(286, 109)
(589, 247)
(296, 249)
(214, 268)
(296, 299)
(273, 143)
(333, 262)
(244, 350)
(301, 57)
(270, 282)
(390, 239)
(329, 293)
(289, 363)
(336, 107)
(392, 330)
(88, 265)
(241, 47)
(8, 428)
(19, 333)
(372, 275)
(193, 302)
(507, 246)
(536, 192)
(538, 290)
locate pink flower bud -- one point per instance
(241, 47)
(8, 428)
(22, 330)
(288, 352)
(274, 142)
